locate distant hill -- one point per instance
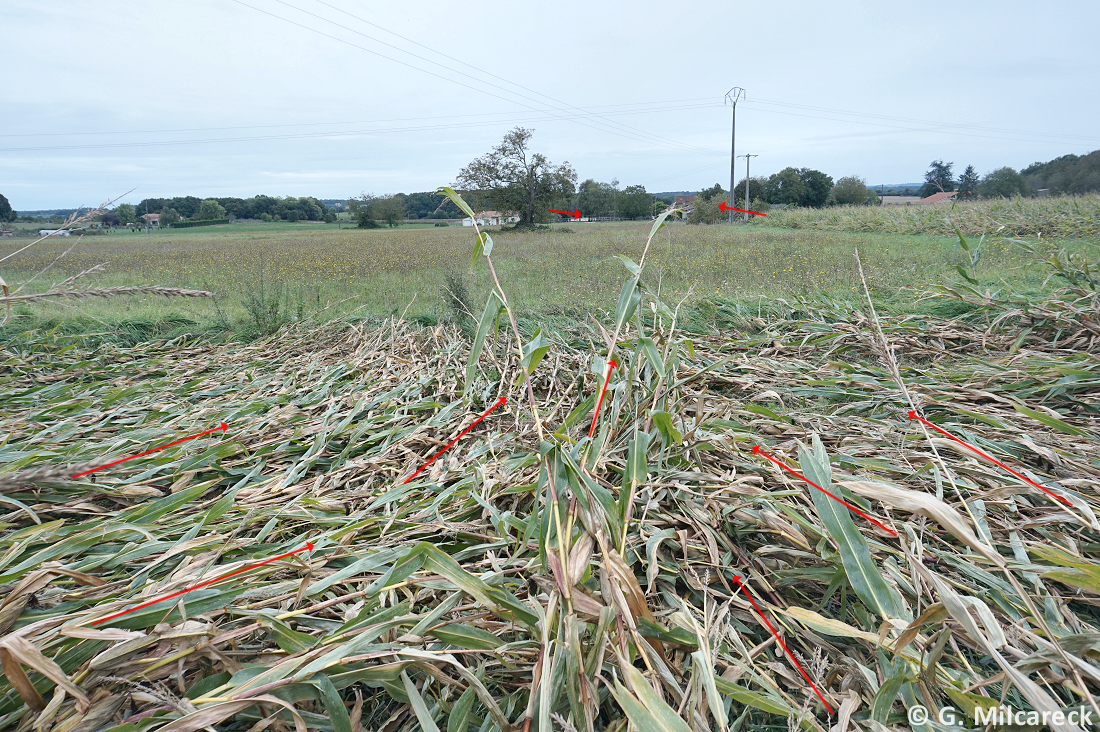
(1067, 174)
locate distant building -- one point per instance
(683, 201)
(151, 219)
(58, 232)
(938, 197)
(492, 218)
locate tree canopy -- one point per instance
(938, 179)
(6, 211)
(286, 208)
(1069, 174)
(850, 190)
(1003, 182)
(513, 178)
(969, 181)
(126, 214)
(210, 209)
(801, 187)
(634, 202)
(597, 199)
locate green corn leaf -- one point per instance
(1052, 422)
(493, 307)
(479, 249)
(452, 194)
(460, 712)
(462, 635)
(753, 698)
(965, 275)
(420, 708)
(855, 555)
(533, 353)
(628, 301)
(884, 699)
(289, 640)
(660, 222)
(663, 422)
(662, 713)
(642, 719)
(653, 355)
(334, 705)
(630, 264)
(703, 666)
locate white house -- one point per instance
(492, 218)
(58, 232)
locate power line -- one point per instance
(306, 135)
(918, 129)
(440, 76)
(475, 68)
(681, 102)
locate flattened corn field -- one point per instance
(658, 577)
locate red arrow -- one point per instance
(221, 427)
(758, 451)
(575, 214)
(913, 415)
(789, 654)
(724, 207)
(600, 402)
(307, 547)
(500, 401)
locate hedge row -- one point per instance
(189, 224)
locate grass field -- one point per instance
(325, 272)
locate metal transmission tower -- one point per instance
(732, 96)
(747, 199)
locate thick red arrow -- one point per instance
(575, 214)
(724, 207)
(913, 415)
(221, 427)
(500, 401)
(600, 402)
(307, 547)
(780, 640)
(758, 451)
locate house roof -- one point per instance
(151, 217)
(937, 197)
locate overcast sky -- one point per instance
(305, 97)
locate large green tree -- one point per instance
(784, 187)
(851, 190)
(969, 180)
(126, 214)
(634, 202)
(210, 209)
(938, 179)
(800, 187)
(6, 211)
(515, 179)
(596, 199)
(390, 209)
(1003, 182)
